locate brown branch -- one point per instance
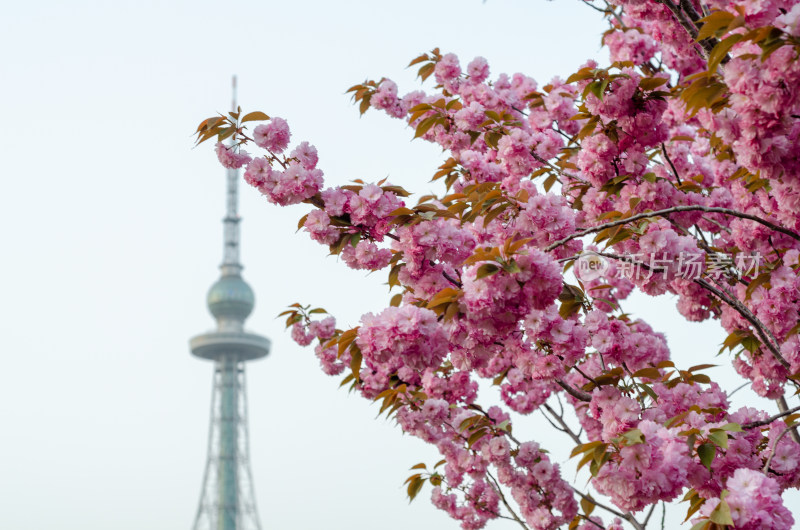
(775, 448)
(447, 276)
(784, 407)
(667, 211)
(452, 280)
(689, 9)
(750, 317)
(761, 423)
(574, 392)
(647, 518)
(505, 502)
(669, 160)
(627, 516)
(556, 168)
(763, 332)
(688, 25)
(565, 428)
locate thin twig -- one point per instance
(565, 428)
(627, 516)
(647, 518)
(775, 448)
(732, 392)
(503, 498)
(719, 225)
(674, 171)
(447, 276)
(556, 168)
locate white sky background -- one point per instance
(111, 236)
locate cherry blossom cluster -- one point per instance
(684, 144)
(403, 340)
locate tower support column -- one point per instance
(227, 485)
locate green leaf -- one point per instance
(634, 437)
(425, 125)
(761, 279)
(477, 435)
(707, 452)
(587, 504)
(720, 439)
(597, 88)
(487, 269)
(721, 50)
(585, 447)
(649, 391)
(700, 525)
(651, 83)
(511, 267)
(716, 21)
(722, 514)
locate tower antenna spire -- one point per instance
(233, 101)
(230, 261)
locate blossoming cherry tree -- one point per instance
(682, 151)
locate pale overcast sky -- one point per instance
(111, 236)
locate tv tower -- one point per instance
(227, 500)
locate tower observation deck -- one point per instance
(227, 500)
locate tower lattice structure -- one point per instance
(227, 499)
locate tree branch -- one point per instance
(750, 317)
(556, 168)
(775, 448)
(627, 516)
(688, 25)
(763, 332)
(565, 428)
(647, 518)
(674, 171)
(667, 211)
(505, 502)
(784, 407)
(574, 392)
(761, 423)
